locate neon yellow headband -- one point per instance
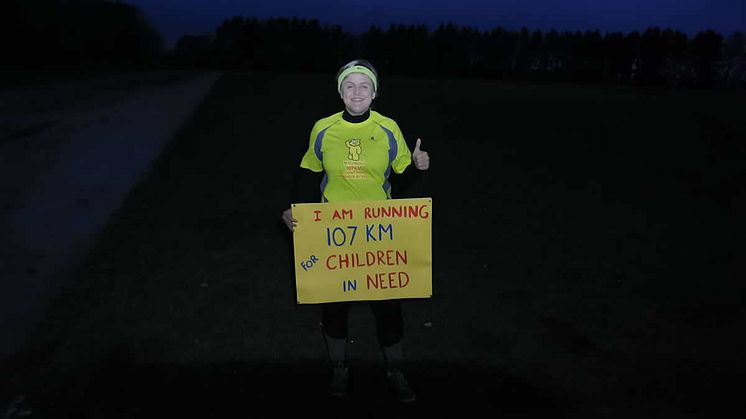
(357, 69)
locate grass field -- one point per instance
(588, 262)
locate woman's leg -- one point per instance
(334, 327)
(389, 330)
(334, 323)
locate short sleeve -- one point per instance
(403, 156)
(312, 159)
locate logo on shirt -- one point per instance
(355, 149)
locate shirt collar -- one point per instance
(356, 119)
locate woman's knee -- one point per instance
(334, 319)
(389, 323)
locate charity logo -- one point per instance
(355, 149)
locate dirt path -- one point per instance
(69, 153)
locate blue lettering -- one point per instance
(308, 264)
(382, 230)
(338, 237)
(370, 232)
(349, 285)
(369, 237)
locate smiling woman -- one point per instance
(357, 93)
(356, 150)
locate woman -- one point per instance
(356, 150)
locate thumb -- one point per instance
(417, 145)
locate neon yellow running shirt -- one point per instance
(357, 158)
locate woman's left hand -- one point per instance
(421, 158)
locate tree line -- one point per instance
(43, 33)
(654, 56)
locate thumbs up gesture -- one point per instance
(421, 158)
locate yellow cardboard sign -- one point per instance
(356, 251)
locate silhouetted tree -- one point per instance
(619, 54)
(498, 46)
(65, 32)
(587, 53)
(651, 54)
(734, 56)
(278, 44)
(451, 50)
(735, 46)
(706, 48)
(408, 50)
(373, 46)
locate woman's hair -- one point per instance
(358, 66)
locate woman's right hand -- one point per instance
(287, 218)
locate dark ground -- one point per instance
(588, 262)
(70, 151)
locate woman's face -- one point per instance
(357, 93)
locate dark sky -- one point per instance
(174, 18)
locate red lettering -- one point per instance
(371, 281)
(403, 284)
(401, 257)
(344, 261)
(343, 215)
(328, 266)
(380, 257)
(423, 213)
(392, 275)
(317, 212)
(395, 280)
(355, 260)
